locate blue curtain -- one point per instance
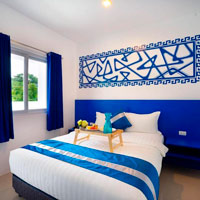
(6, 118)
(54, 92)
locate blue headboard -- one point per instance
(176, 115)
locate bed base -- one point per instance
(27, 191)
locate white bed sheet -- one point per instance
(65, 181)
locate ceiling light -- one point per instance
(106, 3)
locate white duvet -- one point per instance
(69, 182)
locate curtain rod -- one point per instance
(29, 46)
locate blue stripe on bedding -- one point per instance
(134, 163)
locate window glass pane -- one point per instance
(17, 75)
(37, 81)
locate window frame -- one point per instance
(27, 54)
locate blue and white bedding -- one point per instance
(92, 174)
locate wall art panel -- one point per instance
(169, 62)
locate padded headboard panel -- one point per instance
(176, 115)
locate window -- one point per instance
(17, 74)
(29, 81)
(37, 79)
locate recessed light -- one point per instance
(106, 3)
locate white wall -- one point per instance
(32, 127)
(136, 36)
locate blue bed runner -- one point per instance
(133, 171)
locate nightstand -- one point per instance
(183, 152)
(71, 129)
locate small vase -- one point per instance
(107, 126)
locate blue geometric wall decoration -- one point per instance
(172, 61)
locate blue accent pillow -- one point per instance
(120, 121)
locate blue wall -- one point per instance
(176, 115)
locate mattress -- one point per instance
(66, 181)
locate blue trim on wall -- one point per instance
(172, 61)
(176, 115)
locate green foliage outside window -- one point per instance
(32, 88)
(17, 88)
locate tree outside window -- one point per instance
(17, 87)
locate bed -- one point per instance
(37, 176)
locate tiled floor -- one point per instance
(6, 190)
(175, 184)
(179, 184)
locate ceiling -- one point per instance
(82, 20)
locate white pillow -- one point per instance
(100, 119)
(146, 123)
